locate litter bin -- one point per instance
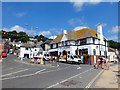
(89, 63)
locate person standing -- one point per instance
(107, 63)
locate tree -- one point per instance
(114, 44)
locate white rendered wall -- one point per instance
(89, 40)
(64, 38)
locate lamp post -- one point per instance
(31, 35)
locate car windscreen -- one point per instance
(75, 57)
(47, 55)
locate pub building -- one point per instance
(89, 44)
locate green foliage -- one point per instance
(14, 36)
(41, 38)
(113, 44)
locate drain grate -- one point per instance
(70, 82)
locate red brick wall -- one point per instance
(86, 60)
(1, 47)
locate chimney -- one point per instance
(99, 32)
(54, 36)
(65, 32)
(99, 28)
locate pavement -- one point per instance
(109, 79)
(16, 74)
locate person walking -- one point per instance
(94, 64)
(107, 63)
(98, 63)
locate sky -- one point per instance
(53, 17)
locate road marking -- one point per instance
(79, 68)
(13, 73)
(32, 74)
(92, 81)
(68, 79)
(17, 76)
(40, 71)
(23, 75)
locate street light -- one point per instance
(31, 35)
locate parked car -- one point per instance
(4, 54)
(11, 51)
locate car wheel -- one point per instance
(79, 62)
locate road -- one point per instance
(57, 75)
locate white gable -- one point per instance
(64, 38)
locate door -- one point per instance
(82, 59)
(94, 58)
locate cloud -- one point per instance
(77, 21)
(113, 38)
(51, 37)
(78, 4)
(115, 29)
(18, 28)
(56, 31)
(45, 33)
(79, 27)
(20, 14)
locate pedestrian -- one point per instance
(49, 58)
(94, 64)
(101, 62)
(98, 63)
(107, 63)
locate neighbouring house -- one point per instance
(88, 43)
(4, 45)
(1, 46)
(30, 50)
(111, 54)
(46, 45)
(17, 44)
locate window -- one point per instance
(75, 57)
(51, 46)
(68, 52)
(72, 57)
(83, 41)
(94, 52)
(93, 40)
(66, 43)
(56, 45)
(62, 43)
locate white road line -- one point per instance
(33, 73)
(92, 81)
(40, 71)
(13, 73)
(17, 76)
(24, 75)
(54, 70)
(68, 78)
(79, 68)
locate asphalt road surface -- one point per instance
(57, 75)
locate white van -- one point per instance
(71, 59)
